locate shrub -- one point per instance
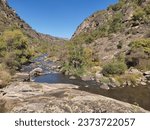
(139, 14)
(116, 23)
(128, 77)
(114, 68)
(78, 59)
(147, 9)
(141, 43)
(138, 2)
(14, 49)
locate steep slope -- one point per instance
(110, 31)
(10, 19)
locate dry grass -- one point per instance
(5, 76)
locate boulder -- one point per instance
(87, 78)
(135, 71)
(27, 97)
(147, 73)
(104, 86)
(36, 72)
(21, 77)
(72, 77)
(143, 83)
(98, 76)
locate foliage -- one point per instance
(116, 23)
(147, 9)
(89, 37)
(78, 59)
(138, 2)
(141, 43)
(114, 68)
(139, 14)
(129, 77)
(14, 49)
(117, 6)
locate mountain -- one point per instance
(110, 31)
(10, 19)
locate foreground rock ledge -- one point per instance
(55, 98)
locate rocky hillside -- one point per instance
(110, 43)
(110, 31)
(10, 19)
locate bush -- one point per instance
(116, 23)
(14, 48)
(147, 9)
(78, 59)
(114, 68)
(139, 14)
(138, 2)
(129, 77)
(141, 44)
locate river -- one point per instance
(135, 95)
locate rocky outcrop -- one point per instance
(21, 77)
(33, 97)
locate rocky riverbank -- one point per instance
(34, 97)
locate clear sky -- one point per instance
(57, 17)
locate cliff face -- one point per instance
(110, 31)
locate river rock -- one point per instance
(104, 86)
(72, 77)
(147, 77)
(36, 72)
(22, 97)
(86, 78)
(21, 77)
(147, 73)
(143, 83)
(135, 71)
(98, 76)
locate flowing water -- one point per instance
(139, 95)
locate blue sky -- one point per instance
(57, 17)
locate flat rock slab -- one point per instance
(58, 98)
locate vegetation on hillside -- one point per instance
(139, 54)
(78, 59)
(14, 49)
(75, 60)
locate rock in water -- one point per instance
(36, 72)
(147, 73)
(104, 86)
